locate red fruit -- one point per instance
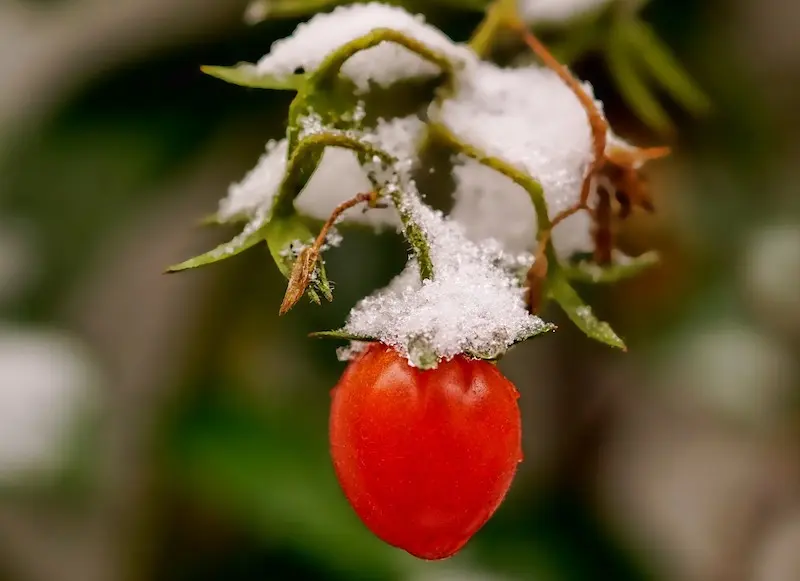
(424, 457)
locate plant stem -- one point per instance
(497, 15)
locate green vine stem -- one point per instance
(333, 63)
(498, 13)
(526, 182)
(297, 174)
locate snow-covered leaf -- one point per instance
(248, 75)
(495, 356)
(383, 41)
(624, 268)
(579, 312)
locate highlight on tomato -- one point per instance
(425, 457)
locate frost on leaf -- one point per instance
(258, 188)
(385, 64)
(472, 305)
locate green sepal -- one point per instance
(632, 88)
(280, 233)
(248, 75)
(545, 329)
(342, 335)
(580, 313)
(589, 272)
(251, 236)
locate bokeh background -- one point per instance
(173, 427)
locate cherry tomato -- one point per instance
(424, 457)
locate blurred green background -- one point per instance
(173, 427)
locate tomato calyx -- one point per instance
(421, 354)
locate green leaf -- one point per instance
(342, 335)
(281, 232)
(580, 313)
(250, 236)
(664, 67)
(247, 75)
(589, 272)
(545, 329)
(632, 88)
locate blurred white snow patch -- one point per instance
(557, 12)
(771, 274)
(491, 205)
(257, 11)
(399, 137)
(48, 385)
(339, 177)
(474, 303)
(527, 117)
(383, 65)
(735, 371)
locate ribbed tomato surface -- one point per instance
(424, 457)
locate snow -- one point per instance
(339, 177)
(490, 205)
(258, 188)
(529, 118)
(47, 383)
(474, 304)
(557, 11)
(399, 137)
(383, 65)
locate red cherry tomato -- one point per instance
(424, 457)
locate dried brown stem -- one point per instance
(603, 236)
(303, 268)
(597, 122)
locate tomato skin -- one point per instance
(424, 457)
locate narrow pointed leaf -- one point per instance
(341, 335)
(545, 329)
(247, 75)
(632, 88)
(580, 313)
(589, 272)
(664, 67)
(247, 239)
